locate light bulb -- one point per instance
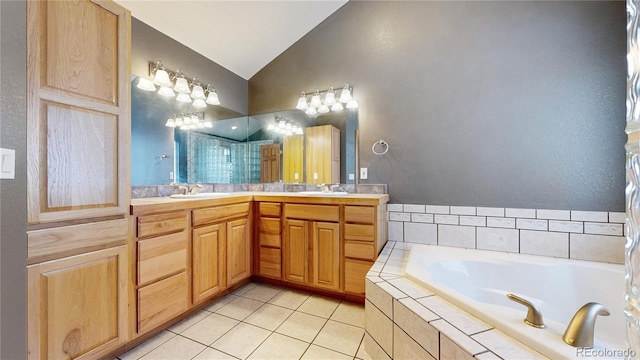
(302, 102)
(345, 95)
(162, 78)
(337, 107)
(182, 97)
(170, 123)
(199, 104)
(311, 111)
(179, 121)
(315, 100)
(166, 91)
(212, 98)
(146, 85)
(323, 109)
(182, 86)
(330, 97)
(234, 127)
(352, 104)
(271, 127)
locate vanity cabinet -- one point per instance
(322, 155)
(207, 261)
(311, 245)
(269, 246)
(161, 285)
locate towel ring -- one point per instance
(382, 143)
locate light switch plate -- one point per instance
(7, 163)
(364, 173)
(296, 176)
(315, 176)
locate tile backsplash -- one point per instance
(584, 235)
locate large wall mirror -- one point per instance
(238, 148)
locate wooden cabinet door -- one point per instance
(292, 158)
(296, 251)
(77, 306)
(78, 109)
(270, 163)
(322, 155)
(238, 251)
(207, 261)
(326, 255)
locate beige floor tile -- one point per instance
(340, 337)
(178, 348)
(219, 303)
(188, 322)
(210, 329)
(319, 306)
(244, 289)
(146, 347)
(349, 313)
(269, 316)
(302, 326)
(280, 347)
(315, 352)
(242, 340)
(291, 299)
(262, 292)
(240, 308)
(213, 354)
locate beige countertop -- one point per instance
(161, 204)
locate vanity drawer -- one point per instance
(312, 212)
(270, 232)
(161, 256)
(270, 262)
(150, 225)
(359, 214)
(220, 213)
(270, 209)
(359, 232)
(162, 301)
(359, 250)
(355, 272)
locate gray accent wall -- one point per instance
(483, 103)
(13, 193)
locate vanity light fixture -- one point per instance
(188, 91)
(316, 105)
(284, 126)
(189, 121)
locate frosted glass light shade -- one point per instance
(323, 109)
(194, 119)
(345, 95)
(208, 124)
(352, 104)
(162, 78)
(186, 120)
(299, 131)
(146, 85)
(311, 111)
(170, 123)
(199, 104)
(302, 103)
(212, 98)
(282, 124)
(315, 100)
(200, 125)
(337, 107)
(182, 97)
(166, 91)
(271, 127)
(179, 121)
(182, 86)
(198, 93)
(330, 97)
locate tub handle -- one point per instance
(534, 316)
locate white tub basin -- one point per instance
(337, 193)
(199, 195)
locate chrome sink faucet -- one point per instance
(185, 189)
(580, 331)
(195, 188)
(324, 188)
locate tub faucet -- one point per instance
(534, 316)
(581, 328)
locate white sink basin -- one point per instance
(337, 193)
(198, 196)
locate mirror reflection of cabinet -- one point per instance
(270, 163)
(292, 158)
(322, 157)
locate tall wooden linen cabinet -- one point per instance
(78, 122)
(322, 155)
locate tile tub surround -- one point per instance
(147, 191)
(583, 235)
(405, 320)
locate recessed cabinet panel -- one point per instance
(296, 251)
(207, 259)
(81, 49)
(238, 251)
(326, 255)
(270, 232)
(161, 256)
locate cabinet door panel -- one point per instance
(270, 262)
(162, 301)
(238, 251)
(355, 272)
(78, 305)
(208, 264)
(326, 255)
(296, 251)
